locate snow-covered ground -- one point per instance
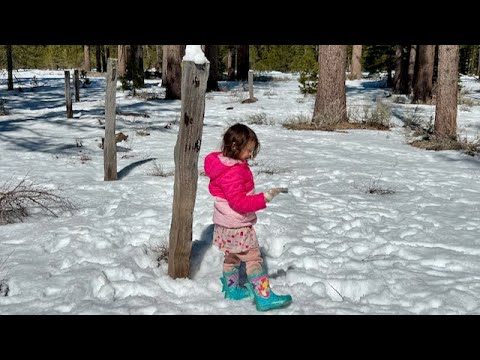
(332, 245)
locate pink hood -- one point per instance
(232, 185)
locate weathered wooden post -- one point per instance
(68, 96)
(252, 98)
(195, 69)
(110, 145)
(250, 84)
(76, 85)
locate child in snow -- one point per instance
(235, 204)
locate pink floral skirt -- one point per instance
(235, 240)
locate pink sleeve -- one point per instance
(233, 186)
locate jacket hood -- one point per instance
(216, 164)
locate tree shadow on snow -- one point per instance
(124, 172)
(199, 248)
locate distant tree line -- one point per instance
(284, 58)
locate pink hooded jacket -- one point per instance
(232, 185)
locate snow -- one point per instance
(194, 53)
(332, 245)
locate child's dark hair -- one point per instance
(236, 138)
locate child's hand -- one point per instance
(270, 194)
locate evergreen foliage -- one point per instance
(284, 58)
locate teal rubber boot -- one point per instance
(231, 286)
(265, 298)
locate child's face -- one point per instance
(247, 151)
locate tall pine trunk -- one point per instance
(173, 85)
(231, 62)
(423, 79)
(104, 58)
(9, 66)
(331, 101)
(356, 73)
(122, 60)
(135, 70)
(402, 58)
(211, 52)
(243, 62)
(447, 91)
(86, 58)
(158, 62)
(164, 65)
(411, 67)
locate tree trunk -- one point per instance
(231, 62)
(400, 80)
(423, 79)
(446, 105)
(158, 63)
(9, 66)
(175, 54)
(98, 58)
(68, 95)
(356, 73)
(135, 71)
(411, 67)
(331, 101)
(122, 60)
(164, 65)
(86, 58)
(211, 52)
(104, 58)
(76, 85)
(187, 149)
(243, 62)
(478, 67)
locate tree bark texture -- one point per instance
(122, 61)
(423, 83)
(68, 95)
(175, 54)
(447, 92)
(331, 95)
(211, 52)
(356, 73)
(9, 66)
(243, 62)
(86, 58)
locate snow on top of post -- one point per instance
(194, 53)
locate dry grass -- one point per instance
(374, 187)
(471, 148)
(377, 118)
(4, 288)
(161, 252)
(158, 170)
(259, 119)
(371, 117)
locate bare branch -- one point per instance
(17, 202)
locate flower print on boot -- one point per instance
(265, 298)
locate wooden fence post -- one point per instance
(250, 84)
(68, 96)
(187, 148)
(252, 98)
(110, 145)
(76, 85)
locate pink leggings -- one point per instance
(252, 259)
